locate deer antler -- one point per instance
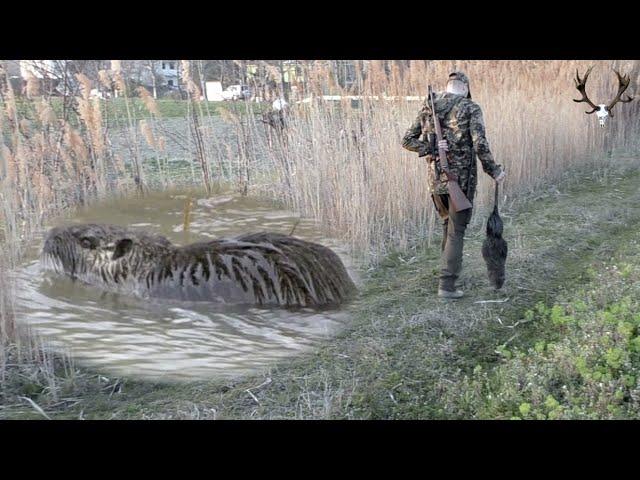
(623, 84)
(581, 86)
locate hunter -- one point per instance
(463, 138)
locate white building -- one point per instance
(167, 70)
(50, 73)
(154, 74)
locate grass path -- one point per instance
(409, 354)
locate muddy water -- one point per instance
(124, 335)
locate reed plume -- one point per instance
(32, 86)
(148, 100)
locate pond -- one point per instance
(171, 340)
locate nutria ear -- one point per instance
(122, 248)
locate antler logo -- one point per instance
(602, 111)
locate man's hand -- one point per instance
(442, 144)
(500, 177)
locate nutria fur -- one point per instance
(494, 248)
(259, 268)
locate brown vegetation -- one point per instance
(340, 162)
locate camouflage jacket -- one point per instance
(463, 128)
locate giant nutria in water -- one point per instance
(260, 268)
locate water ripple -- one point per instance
(173, 340)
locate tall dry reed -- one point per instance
(342, 162)
(196, 115)
(48, 164)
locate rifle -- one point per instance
(457, 198)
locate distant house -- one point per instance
(159, 76)
(167, 71)
(49, 72)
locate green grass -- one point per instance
(115, 109)
(564, 344)
(585, 362)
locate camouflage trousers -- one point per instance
(454, 226)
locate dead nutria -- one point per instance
(259, 268)
(494, 247)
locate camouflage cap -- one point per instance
(463, 78)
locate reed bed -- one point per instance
(343, 164)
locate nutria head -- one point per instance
(103, 253)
